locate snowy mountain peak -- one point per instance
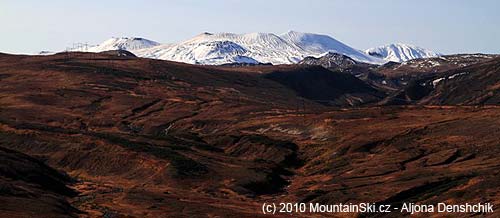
(318, 43)
(124, 43)
(400, 52)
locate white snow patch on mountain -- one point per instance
(122, 43)
(211, 52)
(400, 52)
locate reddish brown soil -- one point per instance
(146, 138)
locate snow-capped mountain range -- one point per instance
(399, 52)
(223, 48)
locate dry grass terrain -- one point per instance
(130, 137)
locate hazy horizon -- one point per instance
(445, 26)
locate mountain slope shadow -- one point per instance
(325, 86)
(28, 187)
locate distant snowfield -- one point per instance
(223, 48)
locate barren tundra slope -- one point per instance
(130, 137)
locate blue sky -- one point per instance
(447, 26)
